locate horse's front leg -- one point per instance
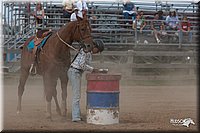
(22, 82)
(64, 81)
(50, 82)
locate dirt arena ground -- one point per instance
(142, 108)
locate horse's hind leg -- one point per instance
(22, 82)
(64, 81)
(50, 82)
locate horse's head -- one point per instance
(82, 33)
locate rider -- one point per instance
(80, 64)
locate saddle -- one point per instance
(40, 35)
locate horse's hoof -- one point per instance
(19, 112)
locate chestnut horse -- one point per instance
(54, 61)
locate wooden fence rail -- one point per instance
(124, 62)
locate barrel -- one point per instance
(102, 98)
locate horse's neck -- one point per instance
(66, 33)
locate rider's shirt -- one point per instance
(82, 61)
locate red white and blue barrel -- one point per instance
(103, 98)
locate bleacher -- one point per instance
(110, 24)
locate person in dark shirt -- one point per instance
(129, 10)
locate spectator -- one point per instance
(139, 24)
(82, 7)
(92, 9)
(39, 14)
(160, 15)
(157, 26)
(185, 29)
(172, 25)
(172, 21)
(68, 6)
(74, 15)
(129, 10)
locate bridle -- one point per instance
(81, 42)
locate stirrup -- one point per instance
(32, 70)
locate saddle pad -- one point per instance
(31, 44)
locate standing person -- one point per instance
(39, 14)
(129, 9)
(82, 7)
(157, 26)
(74, 15)
(185, 29)
(80, 64)
(68, 6)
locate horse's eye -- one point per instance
(82, 29)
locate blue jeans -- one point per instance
(185, 33)
(74, 76)
(126, 16)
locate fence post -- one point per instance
(101, 58)
(136, 41)
(129, 62)
(180, 35)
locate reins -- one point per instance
(65, 42)
(70, 45)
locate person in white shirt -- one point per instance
(74, 14)
(82, 6)
(80, 63)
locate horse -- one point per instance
(53, 62)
